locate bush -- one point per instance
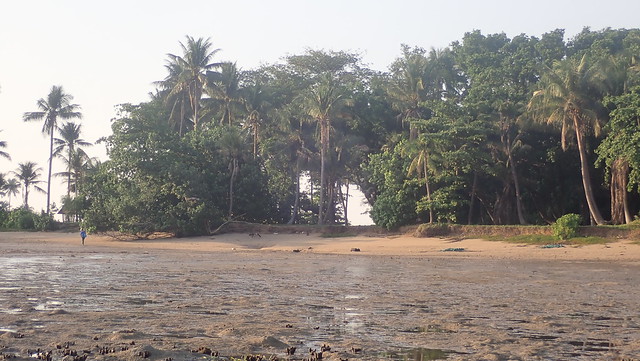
(24, 219)
(43, 222)
(20, 218)
(566, 226)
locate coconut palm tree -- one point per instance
(3, 184)
(70, 142)
(3, 154)
(407, 87)
(323, 101)
(194, 64)
(255, 104)
(28, 173)
(12, 187)
(175, 90)
(56, 106)
(224, 89)
(79, 164)
(421, 164)
(232, 147)
(568, 99)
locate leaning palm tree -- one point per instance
(56, 105)
(322, 102)
(568, 98)
(195, 63)
(28, 173)
(69, 143)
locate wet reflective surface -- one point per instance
(365, 307)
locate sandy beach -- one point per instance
(396, 298)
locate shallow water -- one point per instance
(398, 308)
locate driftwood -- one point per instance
(232, 220)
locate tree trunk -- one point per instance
(586, 178)
(428, 188)
(346, 205)
(50, 167)
(516, 185)
(330, 208)
(324, 140)
(619, 208)
(255, 141)
(234, 171)
(296, 202)
(474, 188)
(181, 116)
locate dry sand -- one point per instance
(397, 298)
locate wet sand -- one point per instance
(398, 298)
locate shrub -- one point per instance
(43, 222)
(566, 226)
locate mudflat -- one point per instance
(369, 298)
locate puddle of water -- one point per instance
(419, 354)
(48, 306)
(353, 297)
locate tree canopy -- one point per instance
(489, 130)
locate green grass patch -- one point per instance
(541, 239)
(337, 235)
(627, 227)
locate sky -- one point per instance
(106, 53)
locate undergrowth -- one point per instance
(541, 239)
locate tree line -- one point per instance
(490, 130)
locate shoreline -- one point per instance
(376, 245)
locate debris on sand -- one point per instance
(552, 246)
(456, 249)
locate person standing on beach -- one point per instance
(83, 235)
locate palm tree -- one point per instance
(194, 65)
(232, 147)
(255, 103)
(421, 165)
(79, 164)
(566, 98)
(3, 144)
(57, 105)
(224, 89)
(175, 87)
(71, 142)
(323, 101)
(3, 184)
(12, 187)
(28, 174)
(407, 88)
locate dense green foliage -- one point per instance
(566, 227)
(490, 130)
(23, 219)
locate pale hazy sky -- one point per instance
(109, 52)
